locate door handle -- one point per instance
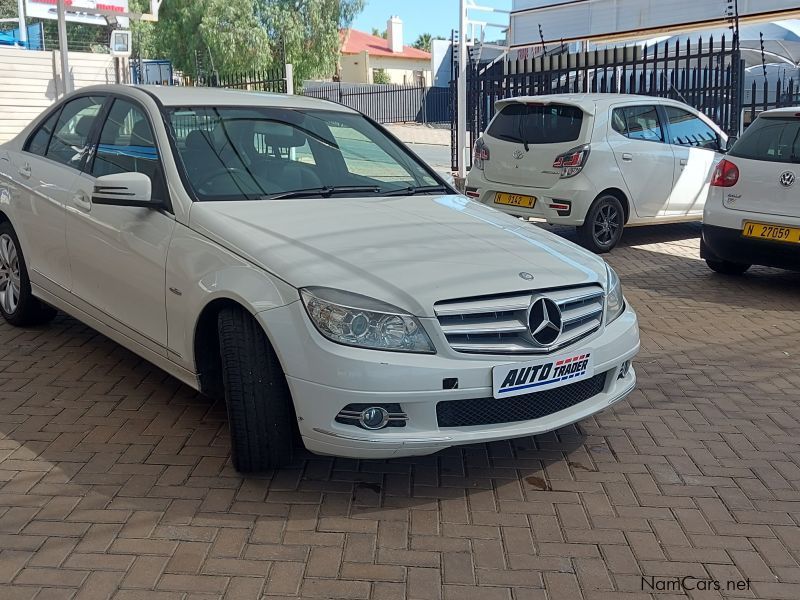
(25, 170)
(82, 202)
(684, 162)
(627, 156)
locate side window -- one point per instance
(127, 145)
(37, 144)
(68, 143)
(638, 123)
(687, 129)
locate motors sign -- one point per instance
(80, 11)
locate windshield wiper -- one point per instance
(325, 192)
(420, 189)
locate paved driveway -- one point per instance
(115, 480)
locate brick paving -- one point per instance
(115, 480)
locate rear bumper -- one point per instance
(724, 243)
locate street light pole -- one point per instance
(23, 26)
(62, 46)
(461, 93)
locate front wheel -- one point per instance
(17, 304)
(602, 229)
(260, 414)
(726, 267)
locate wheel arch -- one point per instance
(619, 195)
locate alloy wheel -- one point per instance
(606, 225)
(9, 275)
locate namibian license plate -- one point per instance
(514, 200)
(524, 378)
(775, 233)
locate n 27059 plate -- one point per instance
(515, 379)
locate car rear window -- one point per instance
(537, 123)
(774, 139)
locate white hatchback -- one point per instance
(752, 216)
(288, 256)
(596, 161)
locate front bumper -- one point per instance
(578, 191)
(324, 377)
(724, 243)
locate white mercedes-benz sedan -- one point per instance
(290, 256)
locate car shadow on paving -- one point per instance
(116, 481)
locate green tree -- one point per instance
(425, 41)
(309, 32)
(378, 33)
(380, 76)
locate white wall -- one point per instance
(598, 19)
(401, 70)
(30, 81)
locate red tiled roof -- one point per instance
(356, 42)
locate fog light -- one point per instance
(623, 370)
(374, 417)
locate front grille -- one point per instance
(499, 324)
(491, 411)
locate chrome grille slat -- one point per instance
(499, 324)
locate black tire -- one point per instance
(727, 268)
(260, 412)
(17, 304)
(602, 229)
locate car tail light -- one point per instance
(725, 175)
(572, 161)
(480, 154)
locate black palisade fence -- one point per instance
(705, 74)
(766, 95)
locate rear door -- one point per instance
(695, 145)
(524, 140)
(768, 158)
(636, 137)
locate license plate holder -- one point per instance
(514, 379)
(771, 232)
(515, 200)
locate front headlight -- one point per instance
(355, 320)
(615, 303)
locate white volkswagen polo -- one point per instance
(288, 255)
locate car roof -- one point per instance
(790, 111)
(589, 103)
(175, 95)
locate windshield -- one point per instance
(537, 123)
(235, 153)
(774, 139)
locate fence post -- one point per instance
(289, 70)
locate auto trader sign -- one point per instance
(78, 11)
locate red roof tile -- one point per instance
(357, 41)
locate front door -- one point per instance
(695, 146)
(118, 254)
(642, 156)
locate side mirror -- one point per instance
(124, 189)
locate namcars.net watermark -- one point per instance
(691, 583)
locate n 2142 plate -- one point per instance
(514, 379)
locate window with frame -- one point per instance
(38, 143)
(127, 145)
(69, 142)
(638, 123)
(687, 129)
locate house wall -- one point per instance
(31, 81)
(401, 70)
(356, 68)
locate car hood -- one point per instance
(408, 251)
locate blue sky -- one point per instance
(436, 17)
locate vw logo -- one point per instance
(518, 154)
(544, 321)
(787, 179)
(526, 276)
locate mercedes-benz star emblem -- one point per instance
(787, 179)
(518, 154)
(544, 321)
(526, 276)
